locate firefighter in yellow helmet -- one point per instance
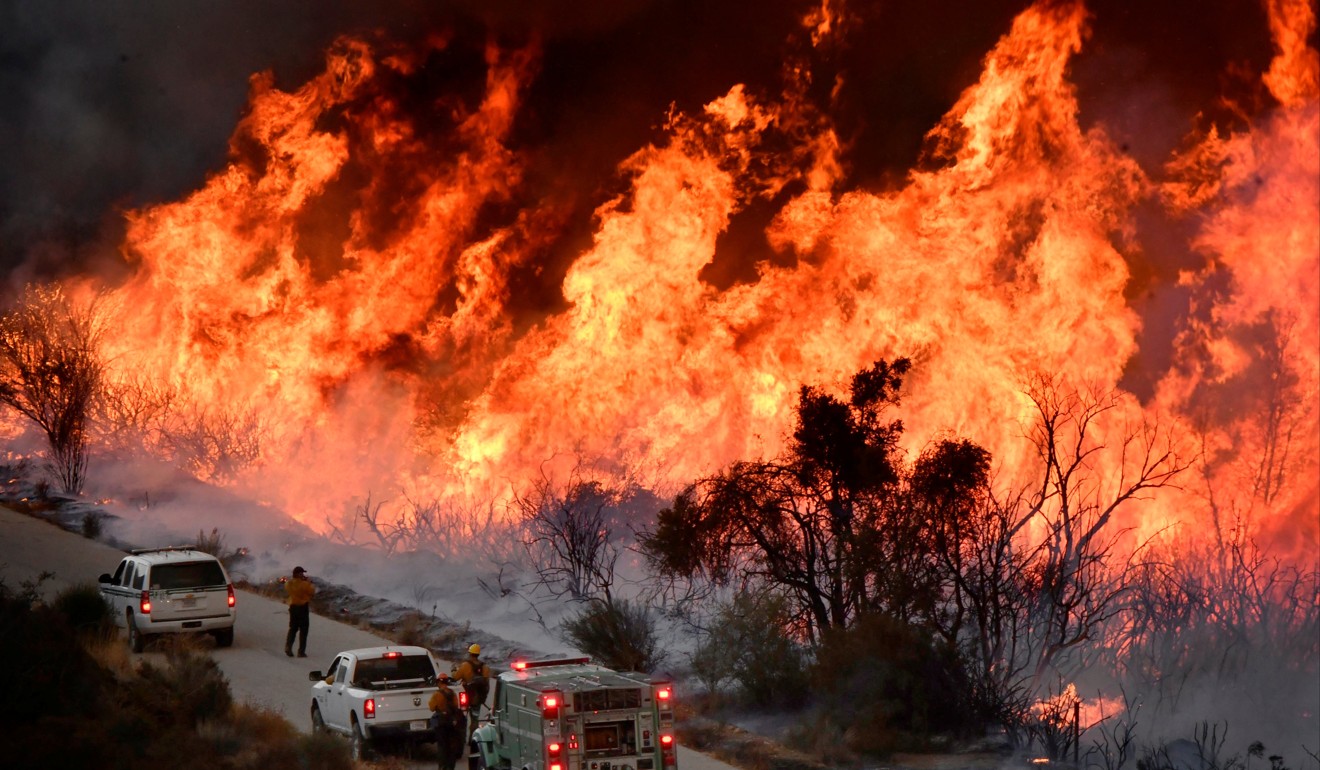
(475, 675)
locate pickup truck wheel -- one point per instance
(224, 637)
(358, 747)
(318, 721)
(137, 641)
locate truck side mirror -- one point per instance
(315, 675)
(105, 578)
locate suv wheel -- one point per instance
(224, 637)
(137, 641)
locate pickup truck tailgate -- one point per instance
(403, 705)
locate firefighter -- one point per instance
(300, 591)
(450, 736)
(475, 675)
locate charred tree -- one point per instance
(51, 372)
(570, 537)
(826, 523)
(1034, 580)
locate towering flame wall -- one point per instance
(355, 275)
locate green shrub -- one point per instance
(747, 643)
(83, 607)
(323, 751)
(189, 689)
(890, 686)
(49, 674)
(618, 635)
(74, 713)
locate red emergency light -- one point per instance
(550, 705)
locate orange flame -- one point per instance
(375, 326)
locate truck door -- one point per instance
(337, 702)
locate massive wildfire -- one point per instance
(352, 288)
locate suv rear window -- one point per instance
(193, 574)
(394, 669)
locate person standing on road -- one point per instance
(300, 591)
(473, 672)
(448, 719)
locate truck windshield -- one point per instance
(379, 670)
(193, 574)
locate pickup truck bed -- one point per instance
(375, 694)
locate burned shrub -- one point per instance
(93, 523)
(619, 635)
(891, 686)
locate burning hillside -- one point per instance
(388, 289)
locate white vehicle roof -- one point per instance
(168, 555)
(379, 652)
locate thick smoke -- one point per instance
(114, 105)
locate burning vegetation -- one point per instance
(1035, 421)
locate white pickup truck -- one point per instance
(374, 695)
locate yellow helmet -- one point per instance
(475, 649)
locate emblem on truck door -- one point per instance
(417, 701)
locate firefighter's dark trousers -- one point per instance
(448, 747)
(300, 619)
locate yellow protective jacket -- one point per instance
(470, 669)
(300, 590)
(443, 699)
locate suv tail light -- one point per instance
(552, 756)
(463, 699)
(231, 594)
(144, 603)
(369, 709)
(664, 696)
(550, 705)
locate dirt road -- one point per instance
(257, 669)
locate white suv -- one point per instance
(170, 591)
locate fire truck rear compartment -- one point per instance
(609, 739)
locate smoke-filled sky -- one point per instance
(436, 246)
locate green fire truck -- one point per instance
(568, 714)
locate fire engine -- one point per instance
(569, 714)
